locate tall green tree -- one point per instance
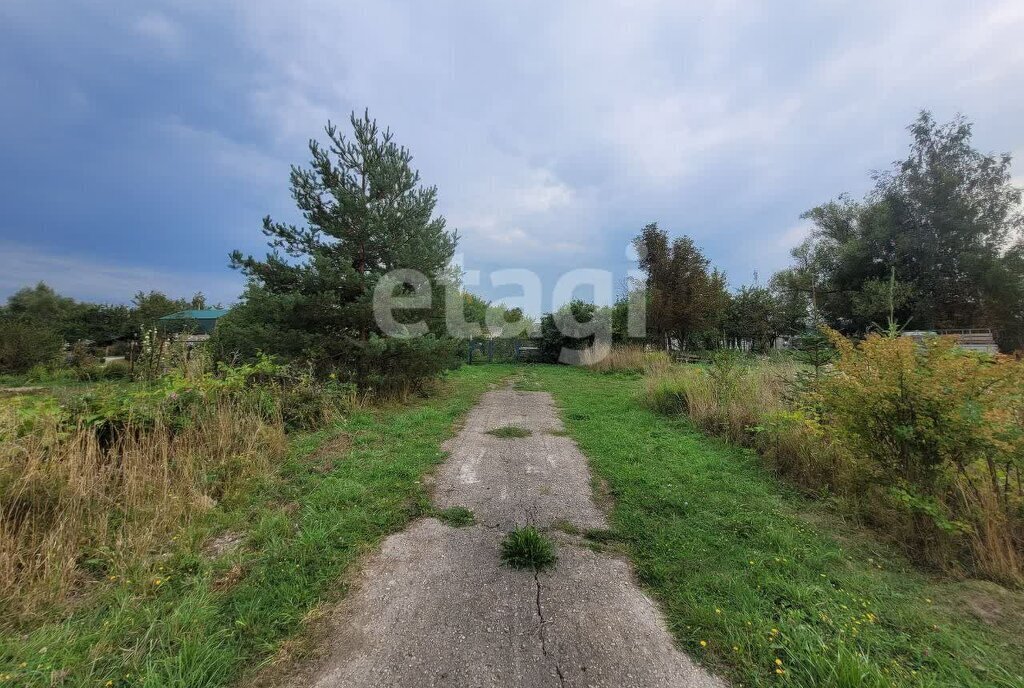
(685, 296)
(557, 329)
(755, 314)
(366, 214)
(944, 220)
(41, 302)
(148, 307)
(25, 342)
(71, 320)
(955, 211)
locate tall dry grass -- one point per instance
(969, 515)
(75, 504)
(626, 359)
(726, 398)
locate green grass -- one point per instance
(509, 432)
(528, 548)
(457, 516)
(753, 578)
(206, 621)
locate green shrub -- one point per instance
(552, 339)
(81, 356)
(942, 430)
(50, 374)
(273, 391)
(307, 404)
(89, 373)
(730, 397)
(923, 441)
(392, 367)
(25, 343)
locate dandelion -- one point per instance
(703, 643)
(778, 662)
(717, 610)
(779, 671)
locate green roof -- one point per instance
(206, 314)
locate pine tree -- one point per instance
(366, 214)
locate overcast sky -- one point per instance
(141, 142)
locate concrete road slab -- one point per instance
(542, 479)
(435, 607)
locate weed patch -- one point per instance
(528, 548)
(457, 516)
(509, 432)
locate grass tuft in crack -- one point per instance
(457, 517)
(528, 548)
(509, 431)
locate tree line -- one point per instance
(37, 322)
(936, 244)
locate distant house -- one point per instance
(197, 324)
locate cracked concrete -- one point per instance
(435, 607)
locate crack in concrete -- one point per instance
(543, 636)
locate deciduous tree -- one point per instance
(686, 297)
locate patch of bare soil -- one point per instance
(223, 543)
(993, 604)
(16, 391)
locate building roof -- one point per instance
(205, 314)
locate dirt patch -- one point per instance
(16, 391)
(992, 604)
(226, 542)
